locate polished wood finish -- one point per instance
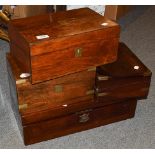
(54, 93)
(79, 121)
(126, 78)
(45, 121)
(44, 114)
(68, 31)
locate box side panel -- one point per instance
(19, 50)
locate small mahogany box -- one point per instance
(76, 40)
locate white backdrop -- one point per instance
(98, 8)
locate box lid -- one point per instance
(56, 25)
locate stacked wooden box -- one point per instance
(68, 73)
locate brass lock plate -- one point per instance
(78, 52)
(84, 118)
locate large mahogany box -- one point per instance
(126, 78)
(43, 113)
(76, 40)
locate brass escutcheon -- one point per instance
(102, 78)
(84, 118)
(78, 52)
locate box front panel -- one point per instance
(56, 92)
(73, 59)
(115, 89)
(82, 120)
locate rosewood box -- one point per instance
(76, 40)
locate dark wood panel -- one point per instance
(93, 54)
(53, 93)
(127, 77)
(83, 120)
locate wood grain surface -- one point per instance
(79, 121)
(67, 31)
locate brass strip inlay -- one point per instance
(91, 69)
(102, 94)
(23, 106)
(90, 92)
(21, 81)
(102, 78)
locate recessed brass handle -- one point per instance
(58, 88)
(78, 52)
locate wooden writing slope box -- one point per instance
(42, 118)
(126, 78)
(76, 40)
(60, 92)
